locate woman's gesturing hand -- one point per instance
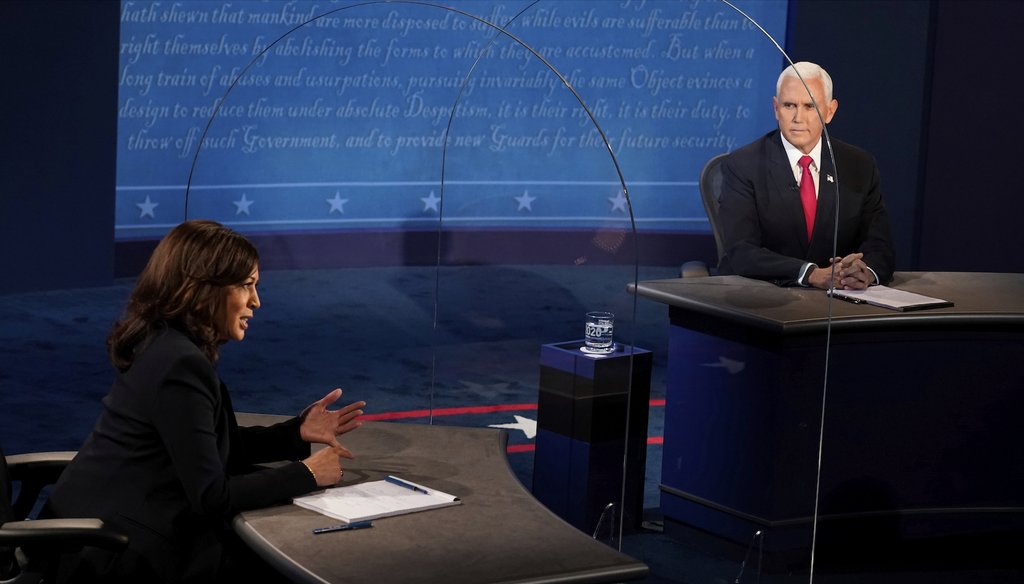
(323, 426)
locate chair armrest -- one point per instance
(63, 534)
(38, 464)
(35, 470)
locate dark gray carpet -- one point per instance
(368, 331)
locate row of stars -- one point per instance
(432, 202)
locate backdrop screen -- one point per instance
(335, 116)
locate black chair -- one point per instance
(30, 548)
(710, 190)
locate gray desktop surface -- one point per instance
(499, 533)
(980, 299)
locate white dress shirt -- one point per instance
(794, 154)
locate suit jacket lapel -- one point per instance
(781, 179)
(824, 215)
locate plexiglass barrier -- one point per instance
(478, 159)
(441, 194)
(498, 231)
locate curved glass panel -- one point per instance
(311, 153)
(550, 238)
(743, 394)
(826, 471)
(458, 196)
(522, 226)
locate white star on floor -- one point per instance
(731, 365)
(618, 202)
(242, 206)
(146, 208)
(524, 201)
(337, 203)
(528, 426)
(430, 203)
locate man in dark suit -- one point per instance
(778, 219)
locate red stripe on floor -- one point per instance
(448, 412)
(465, 410)
(513, 448)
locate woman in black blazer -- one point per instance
(166, 461)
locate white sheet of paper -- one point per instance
(372, 500)
(887, 297)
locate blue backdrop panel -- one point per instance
(338, 113)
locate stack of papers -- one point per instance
(375, 499)
(887, 297)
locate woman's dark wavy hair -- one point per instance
(184, 285)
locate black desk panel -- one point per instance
(921, 409)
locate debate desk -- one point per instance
(920, 410)
(499, 533)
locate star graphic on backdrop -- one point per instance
(146, 208)
(337, 203)
(528, 426)
(242, 206)
(524, 201)
(430, 203)
(618, 202)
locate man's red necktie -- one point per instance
(807, 196)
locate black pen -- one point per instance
(346, 527)
(851, 299)
(407, 485)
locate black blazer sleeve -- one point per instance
(159, 464)
(256, 444)
(761, 219)
(194, 425)
(864, 220)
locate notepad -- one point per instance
(375, 499)
(887, 297)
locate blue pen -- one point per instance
(347, 527)
(401, 483)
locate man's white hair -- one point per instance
(808, 71)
